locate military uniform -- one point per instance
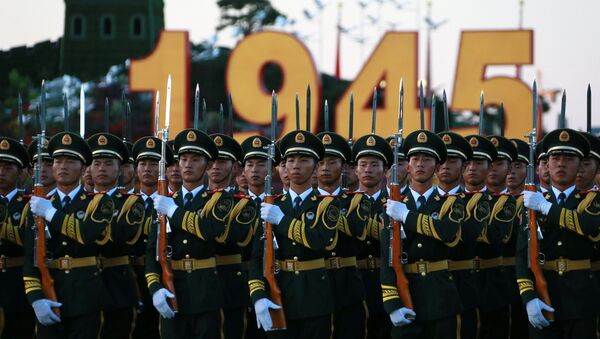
(19, 319)
(432, 227)
(232, 275)
(119, 294)
(569, 229)
(307, 228)
(80, 219)
(349, 318)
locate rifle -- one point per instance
(326, 115)
(106, 115)
(562, 119)
(308, 108)
(21, 123)
(82, 112)
(541, 286)
(433, 113)
(395, 248)
(350, 142)
(422, 104)
(297, 113)
(38, 190)
(167, 273)
(196, 106)
(204, 117)
(277, 316)
(221, 120)
(446, 115)
(589, 109)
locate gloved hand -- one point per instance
(400, 316)
(397, 210)
(159, 299)
(43, 311)
(534, 312)
(263, 318)
(42, 207)
(164, 205)
(271, 213)
(536, 201)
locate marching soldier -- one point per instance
(515, 183)
(88, 182)
(568, 222)
(46, 177)
(19, 320)
(197, 221)
(75, 220)
(147, 154)
(233, 278)
(432, 226)
(119, 292)
(304, 224)
(173, 172)
(283, 175)
(372, 157)
(127, 177)
(541, 169)
(349, 316)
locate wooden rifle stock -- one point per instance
(277, 316)
(167, 273)
(541, 286)
(401, 280)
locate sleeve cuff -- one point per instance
(172, 210)
(49, 214)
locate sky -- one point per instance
(566, 52)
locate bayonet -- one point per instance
(196, 106)
(589, 109)
(221, 118)
(156, 112)
(422, 104)
(481, 114)
(297, 112)
(374, 111)
(562, 122)
(106, 115)
(204, 116)
(230, 115)
(433, 113)
(65, 112)
(351, 122)
(21, 123)
(82, 112)
(326, 114)
(501, 114)
(446, 114)
(129, 137)
(308, 108)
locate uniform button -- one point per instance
(187, 256)
(185, 241)
(333, 254)
(423, 274)
(297, 272)
(295, 258)
(67, 271)
(370, 256)
(294, 243)
(145, 240)
(559, 243)
(239, 273)
(64, 243)
(368, 242)
(419, 245)
(322, 277)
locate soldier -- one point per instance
(283, 175)
(147, 153)
(432, 225)
(197, 221)
(515, 182)
(127, 177)
(173, 172)
(119, 292)
(255, 163)
(232, 276)
(568, 222)
(88, 182)
(349, 316)
(372, 157)
(541, 169)
(46, 178)
(76, 220)
(304, 224)
(494, 313)
(19, 320)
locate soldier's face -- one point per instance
(351, 177)
(329, 170)
(9, 173)
(285, 179)
(517, 174)
(421, 167)
(255, 171)
(127, 174)
(67, 171)
(498, 172)
(542, 171)
(476, 172)
(450, 171)
(370, 170)
(46, 173)
(192, 167)
(241, 180)
(105, 172)
(300, 169)
(587, 173)
(220, 170)
(174, 174)
(147, 172)
(563, 169)
(87, 176)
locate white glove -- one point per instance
(164, 205)
(536, 201)
(534, 312)
(271, 213)
(263, 318)
(43, 311)
(42, 207)
(400, 316)
(159, 299)
(397, 210)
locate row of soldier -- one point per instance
(465, 240)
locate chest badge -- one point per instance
(80, 215)
(310, 215)
(16, 216)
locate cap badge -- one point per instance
(422, 138)
(191, 136)
(393, 141)
(564, 136)
(102, 140)
(474, 142)
(66, 139)
(256, 143)
(218, 141)
(370, 141)
(494, 142)
(300, 138)
(326, 139)
(4, 145)
(150, 143)
(447, 139)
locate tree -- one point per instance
(247, 15)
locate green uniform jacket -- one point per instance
(568, 232)
(304, 236)
(74, 232)
(429, 236)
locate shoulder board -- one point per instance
(28, 196)
(588, 191)
(451, 195)
(502, 195)
(321, 196)
(170, 194)
(216, 190)
(91, 194)
(517, 195)
(473, 192)
(277, 196)
(242, 196)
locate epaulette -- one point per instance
(517, 195)
(170, 194)
(451, 195)
(322, 196)
(502, 195)
(277, 196)
(216, 191)
(589, 191)
(130, 194)
(473, 192)
(241, 196)
(91, 194)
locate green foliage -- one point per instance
(247, 15)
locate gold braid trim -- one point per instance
(446, 207)
(354, 205)
(389, 292)
(426, 227)
(498, 207)
(321, 212)
(570, 220)
(191, 224)
(524, 285)
(333, 242)
(256, 285)
(471, 205)
(32, 284)
(152, 278)
(585, 203)
(233, 214)
(343, 226)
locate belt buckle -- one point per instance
(335, 262)
(100, 263)
(422, 268)
(188, 265)
(476, 264)
(64, 263)
(562, 266)
(291, 265)
(371, 263)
